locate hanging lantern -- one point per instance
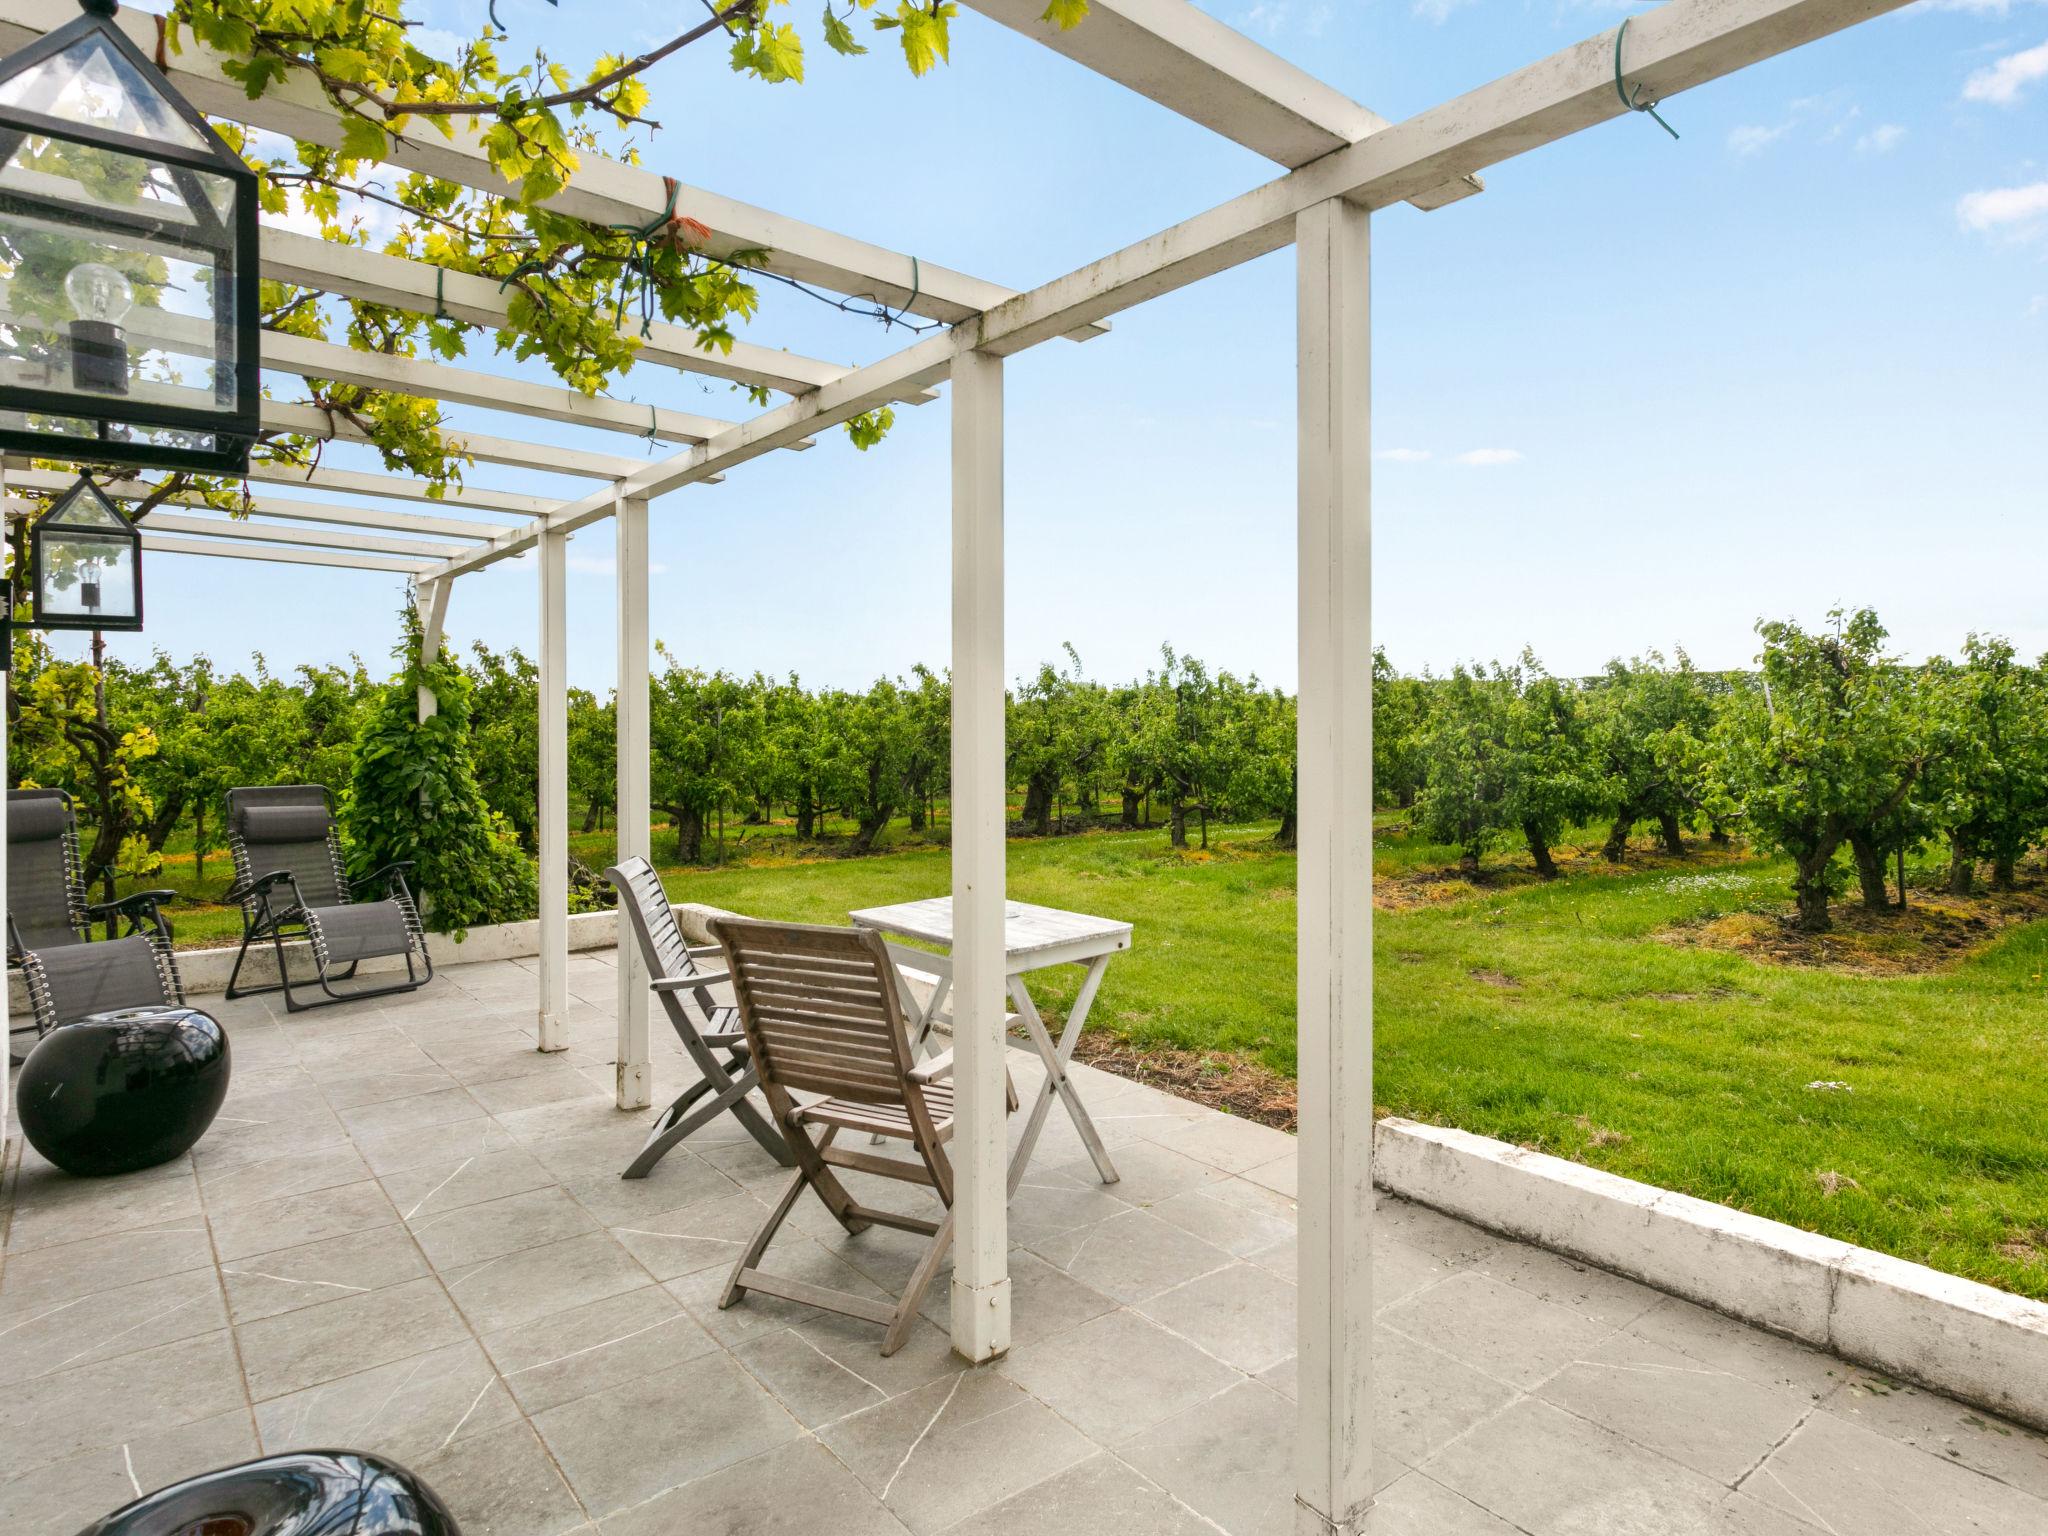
(85, 564)
(128, 278)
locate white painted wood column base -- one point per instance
(980, 1147)
(636, 834)
(1333, 1488)
(552, 813)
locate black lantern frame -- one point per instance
(80, 520)
(104, 424)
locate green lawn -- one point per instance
(1554, 1016)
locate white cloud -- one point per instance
(1488, 458)
(1754, 139)
(436, 43)
(2002, 83)
(2019, 209)
(1403, 455)
(1881, 140)
(1439, 11)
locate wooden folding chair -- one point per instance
(710, 1034)
(823, 1014)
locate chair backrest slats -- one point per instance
(45, 891)
(647, 908)
(820, 1008)
(264, 836)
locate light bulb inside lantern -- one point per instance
(99, 292)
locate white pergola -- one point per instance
(1342, 163)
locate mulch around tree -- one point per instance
(1220, 1079)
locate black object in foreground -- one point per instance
(301, 1493)
(124, 1090)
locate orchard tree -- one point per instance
(872, 741)
(704, 729)
(1646, 721)
(505, 735)
(1992, 712)
(593, 755)
(1400, 713)
(1827, 747)
(928, 743)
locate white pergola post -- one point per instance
(981, 1243)
(432, 600)
(635, 833)
(552, 820)
(1334, 945)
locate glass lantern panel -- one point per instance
(86, 577)
(94, 316)
(90, 178)
(86, 508)
(91, 84)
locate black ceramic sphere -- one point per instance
(121, 1091)
(302, 1493)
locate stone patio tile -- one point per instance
(386, 1083)
(1238, 1217)
(1848, 1478)
(1132, 1256)
(56, 1207)
(952, 1449)
(291, 1173)
(628, 1443)
(1708, 1338)
(61, 1498)
(1740, 1515)
(407, 1409)
(470, 1234)
(337, 1338)
(1243, 1315)
(1117, 1375)
(267, 1225)
(267, 1284)
(535, 1282)
(587, 1349)
(1282, 1175)
(1146, 1172)
(1457, 1243)
(355, 1060)
(797, 1489)
(1043, 1300)
(1708, 1420)
(1230, 1459)
(505, 1484)
(1225, 1141)
(1495, 1328)
(1416, 1505)
(63, 1272)
(709, 1234)
(1540, 1468)
(445, 1106)
(1048, 1203)
(502, 1055)
(678, 1180)
(113, 1401)
(1943, 1427)
(1594, 1294)
(58, 1335)
(431, 1146)
(1422, 1399)
(531, 1090)
(1100, 1494)
(926, 1356)
(570, 1117)
(1284, 1259)
(437, 1187)
(814, 1387)
(1400, 1270)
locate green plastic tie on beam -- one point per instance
(1628, 93)
(440, 305)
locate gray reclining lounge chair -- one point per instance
(705, 1028)
(49, 923)
(292, 886)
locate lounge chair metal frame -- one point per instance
(710, 1033)
(50, 918)
(301, 899)
(823, 1013)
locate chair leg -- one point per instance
(678, 1124)
(920, 1280)
(754, 1249)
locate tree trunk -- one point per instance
(872, 824)
(1037, 813)
(1717, 834)
(1539, 850)
(590, 817)
(1810, 889)
(1615, 849)
(1870, 872)
(1288, 835)
(1204, 808)
(806, 813)
(1962, 867)
(2002, 873)
(1178, 813)
(198, 842)
(1469, 859)
(917, 813)
(1667, 825)
(1902, 879)
(1130, 820)
(689, 825)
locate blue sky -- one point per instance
(1640, 393)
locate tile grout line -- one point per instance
(227, 1306)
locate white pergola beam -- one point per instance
(316, 538)
(1190, 63)
(1678, 46)
(399, 282)
(311, 421)
(173, 544)
(391, 521)
(602, 191)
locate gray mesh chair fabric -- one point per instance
(293, 888)
(710, 1034)
(49, 925)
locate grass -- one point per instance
(1563, 1017)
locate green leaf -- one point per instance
(840, 36)
(1065, 14)
(362, 139)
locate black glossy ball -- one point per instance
(301, 1493)
(121, 1091)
